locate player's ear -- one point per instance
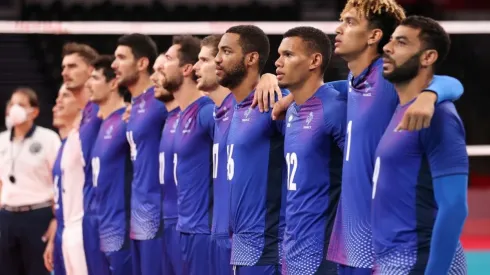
(187, 70)
(316, 61)
(428, 58)
(251, 59)
(375, 36)
(113, 84)
(142, 64)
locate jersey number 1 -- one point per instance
(95, 170)
(349, 136)
(377, 166)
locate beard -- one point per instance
(172, 85)
(235, 76)
(405, 72)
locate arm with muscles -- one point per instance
(445, 148)
(419, 114)
(266, 92)
(206, 119)
(450, 193)
(281, 124)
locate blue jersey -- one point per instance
(193, 159)
(371, 103)
(257, 175)
(58, 186)
(166, 160)
(89, 128)
(112, 175)
(221, 211)
(404, 207)
(313, 146)
(143, 132)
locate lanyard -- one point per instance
(14, 160)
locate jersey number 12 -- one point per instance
(292, 163)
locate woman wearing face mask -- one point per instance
(27, 155)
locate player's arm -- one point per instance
(281, 124)
(206, 119)
(419, 114)
(267, 92)
(445, 147)
(335, 117)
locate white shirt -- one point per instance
(72, 170)
(31, 162)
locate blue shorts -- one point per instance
(146, 255)
(58, 262)
(220, 255)
(195, 253)
(349, 270)
(258, 270)
(119, 262)
(172, 255)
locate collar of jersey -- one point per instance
(360, 78)
(28, 134)
(246, 101)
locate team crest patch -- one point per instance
(35, 148)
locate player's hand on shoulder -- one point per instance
(127, 113)
(419, 114)
(266, 91)
(281, 106)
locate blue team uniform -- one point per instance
(313, 145)
(220, 230)
(172, 256)
(371, 103)
(403, 205)
(143, 132)
(89, 128)
(58, 262)
(193, 159)
(112, 175)
(257, 174)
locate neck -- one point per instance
(245, 87)
(21, 130)
(409, 90)
(361, 62)
(140, 86)
(171, 105)
(187, 94)
(302, 92)
(218, 95)
(113, 103)
(64, 131)
(82, 95)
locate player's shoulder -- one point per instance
(45, 133)
(446, 110)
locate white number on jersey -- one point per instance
(161, 167)
(377, 166)
(215, 160)
(56, 192)
(230, 163)
(292, 163)
(175, 168)
(95, 170)
(349, 136)
(132, 145)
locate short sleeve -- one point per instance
(335, 117)
(53, 146)
(444, 142)
(206, 119)
(446, 88)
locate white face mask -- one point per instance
(17, 115)
(8, 123)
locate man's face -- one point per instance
(293, 62)
(172, 71)
(125, 66)
(230, 61)
(401, 58)
(205, 69)
(66, 108)
(158, 80)
(75, 71)
(99, 88)
(352, 34)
